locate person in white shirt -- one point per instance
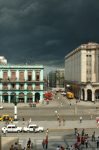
(58, 148)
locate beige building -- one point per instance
(82, 72)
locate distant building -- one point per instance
(82, 72)
(56, 78)
(52, 79)
(23, 82)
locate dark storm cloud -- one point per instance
(44, 31)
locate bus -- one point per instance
(70, 95)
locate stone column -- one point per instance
(8, 97)
(93, 95)
(85, 94)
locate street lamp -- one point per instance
(15, 108)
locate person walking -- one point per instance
(59, 122)
(76, 131)
(86, 143)
(98, 142)
(46, 143)
(93, 136)
(4, 131)
(58, 147)
(80, 119)
(63, 122)
(43, 144)
(83, 132)
(29, 143)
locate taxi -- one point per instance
(6, 117)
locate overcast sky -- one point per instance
(44, 31)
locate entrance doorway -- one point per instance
(89, 95)
(5, 97)
(37, 97)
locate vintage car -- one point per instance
(11, 128)
(6, 117)
(33, 128)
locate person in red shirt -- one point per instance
(62, 148)
(46, 142)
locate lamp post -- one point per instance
(15, 108)
(75, 109)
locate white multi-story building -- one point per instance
(82, 72)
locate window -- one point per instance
(30, 76)
(37, 76)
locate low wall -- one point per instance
(6, 142)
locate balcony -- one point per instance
(4, 88)
(37, 88)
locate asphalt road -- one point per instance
(47, 112)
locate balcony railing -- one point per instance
(20, 80)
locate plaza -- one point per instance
(44, 115)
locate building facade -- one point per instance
(56, 78)
(82, 72)
(25, 82)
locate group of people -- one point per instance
(15, 146)
(60, 120)
(83, 139)
(60, 148)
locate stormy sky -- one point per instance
(44, 31)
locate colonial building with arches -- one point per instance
(23, 82)
(82, 72)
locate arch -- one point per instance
(21, 97)
(5, 97)
(37, 97)
(12, 96)
(89, 95)
(97, 94)
(83, 94)
(29, 97)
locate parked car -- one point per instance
(33, 128)
(11, 128)
(1, 107)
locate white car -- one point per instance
(33, 128)
(11, 128)
(1, 107)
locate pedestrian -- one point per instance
(93, 136)
(83, 132)
(98, 142)
(58, 117)
(70, 105)
(59, 122)
(46, 142)
(4, 131)
(62, 148)
(80, 119)
(58, 147)
(16, 147)
(82, 140)
(11, 148)
(76, 131)
(86, 143)
(43, 144)
(78, 138)
(63, 122)
(29, 143)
